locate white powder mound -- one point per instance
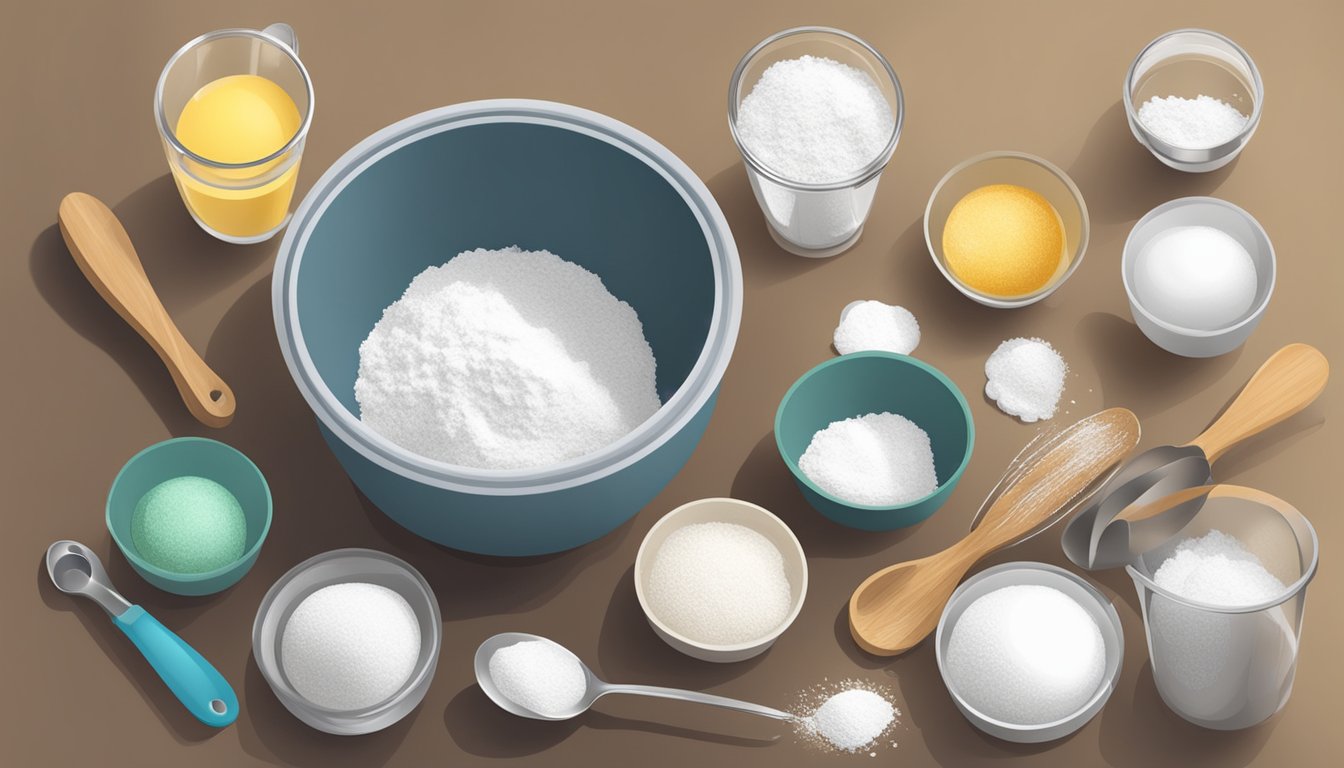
(1199, 123)
(852, 719)
(1026, 378)
(874, 325)
(1218, 570)
(879, 460)
(719, 584)
(1209, 660)
(350, 646)
(1026, 654)
(538, 676)
(506, 359)
(815, 120)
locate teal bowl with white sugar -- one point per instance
(875, 382)
(190, 457)
(494, 174)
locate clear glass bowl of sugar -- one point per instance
(1193, 98)
(815, 187)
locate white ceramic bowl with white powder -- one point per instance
(725, 593)
(1096, 605)
(1197, 212)
(331, 664)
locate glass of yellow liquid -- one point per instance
(233, 109)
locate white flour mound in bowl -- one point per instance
(506, 359)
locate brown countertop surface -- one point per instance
(83, 393)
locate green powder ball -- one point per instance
(189, 525)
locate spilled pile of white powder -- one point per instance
(879, 460)
(506, 359)
(815, 120)
(1025, 378)
(848, 716)
(1199, 123)
(350, 646)
(874, 325)
(719, 583)
(539, 676)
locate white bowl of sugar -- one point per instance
(720, 579)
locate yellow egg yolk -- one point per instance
(1004, 240)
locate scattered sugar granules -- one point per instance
(849, 716)
(506, 359)
(1199, 123)
(719, 584)
(538, 676)
(874, 325)
(879, 460)
(815, 120)
(350, 646)
(1027, 654)
(1025, 378)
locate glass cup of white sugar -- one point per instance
(1193, 98)
(816, 113)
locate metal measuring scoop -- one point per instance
(595, 687)
(1288, 382)
(76, 570)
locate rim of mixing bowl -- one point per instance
(685, 403)
(1128, 254)
(1217, 150)
(863, 175)
(1026, 299)
(1289, 591)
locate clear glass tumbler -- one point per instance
(236, 201)
(1190, 63)
(1230, 668)
(815, 220)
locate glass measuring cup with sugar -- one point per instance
(1219, 665)
(233, 109)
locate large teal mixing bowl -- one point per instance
(492, 174)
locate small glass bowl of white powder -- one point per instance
(816, 113)
(720, 579)
(1193, 98)
(1029, 652)
(348, 640)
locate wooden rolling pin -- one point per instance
(104, 253)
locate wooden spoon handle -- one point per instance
(105, 255)
(1288, 382)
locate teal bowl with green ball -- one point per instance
(190, 514)
(876, 382)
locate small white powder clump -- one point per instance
(878, 460)
(1199, 123)
(1025, 378)
(874, 325)
(538, 676)
(815, 120)
(506, 359)
(719, 584)
(850, 720)
(350, 646)
(1026, 654)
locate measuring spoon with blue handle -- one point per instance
(1290, 380)
(76, 570)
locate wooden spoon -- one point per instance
(897, 607)
(104, 253)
